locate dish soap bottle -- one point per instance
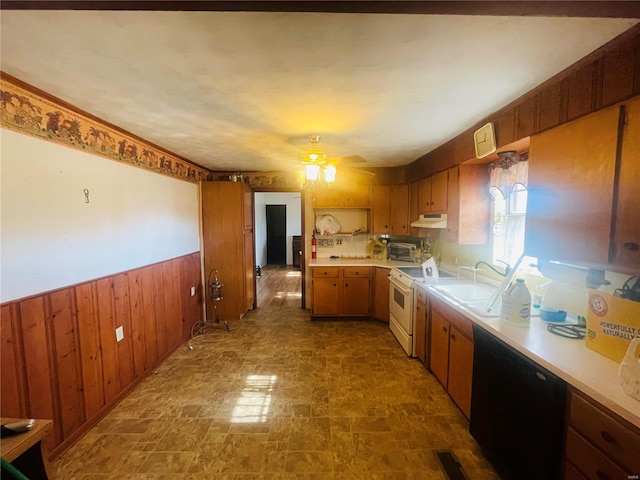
(516, 304)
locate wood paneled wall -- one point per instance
(607, 76)
(59, 355)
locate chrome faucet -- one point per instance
(507, 267)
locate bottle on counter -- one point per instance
(516, 304)
(314, 244)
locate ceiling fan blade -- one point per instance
(351, 160)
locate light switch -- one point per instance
(119, 334)
(193, 291)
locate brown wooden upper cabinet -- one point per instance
(579, 210)
(344, 194)
(468, 205)
(432, 194)
(414, 189)
(625, 246)
(390, 211)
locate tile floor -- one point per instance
(281, 397)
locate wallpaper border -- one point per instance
(25, 111)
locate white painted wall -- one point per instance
(51, 238)
(294, 213)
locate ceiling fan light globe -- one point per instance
(312, 172)
(329, 174)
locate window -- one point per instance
(508, 224)
(508, 189)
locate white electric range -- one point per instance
(401, 299)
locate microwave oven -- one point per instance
(405, 252)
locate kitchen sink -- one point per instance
(479, 307)
(475, 298)
(466, 292)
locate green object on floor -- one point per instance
(12, 471)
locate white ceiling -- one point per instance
(241, 91)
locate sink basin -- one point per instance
(466, 292)
(475, 297)
(479, 307)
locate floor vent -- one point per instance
(450, 465)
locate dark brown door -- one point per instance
(276, 234)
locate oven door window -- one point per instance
(398, 298)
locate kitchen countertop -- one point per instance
(358, 262)
(585, 369)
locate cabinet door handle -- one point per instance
(631, 246)
(444, 329)
(357, 273)
(453, 337)
(335, 284)
(346, 284)
(607, 437)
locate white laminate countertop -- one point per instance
(581, 367)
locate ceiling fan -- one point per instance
(315, 158)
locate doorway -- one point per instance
(276, 234)
(278, 230)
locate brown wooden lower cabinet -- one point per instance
(341, 291)
(599, 444)
(572, 473)
(451, 353)
(380, 294)
(59, 355)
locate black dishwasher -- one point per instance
(517, 411)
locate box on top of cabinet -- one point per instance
(612, 322)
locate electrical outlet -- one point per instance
(338, 241)
(119, 334)
(193, 291)
(325, 242)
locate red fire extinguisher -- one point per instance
(313, 245)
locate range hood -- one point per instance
(431, 221)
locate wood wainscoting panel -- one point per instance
(190, 277)
(90, 353)
(106, 326)
(158, 308)
(60, 358)
(136, 306)
(68, 399)
(149, 312)
(36, 357)
(172, 301)
(13, 392)
(122, 320)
